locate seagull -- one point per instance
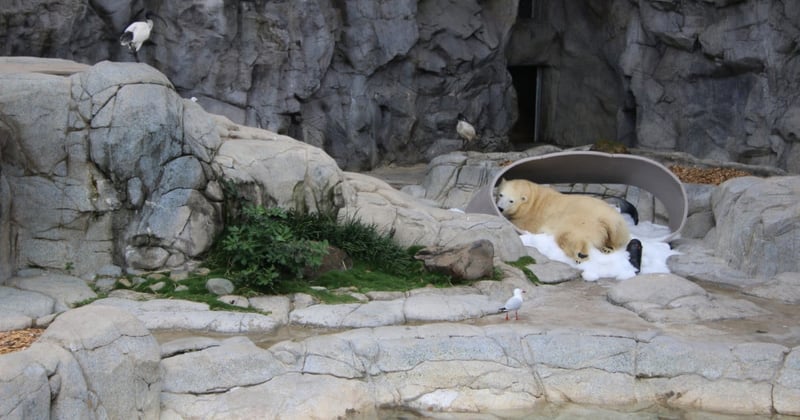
(465, 130)
(513, 304)
(136, 34)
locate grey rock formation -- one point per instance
(697, 261)
(462, 365)
(668, 298)
(379, 82)
(427, 349)
(413, 222)
(758, 220)
(471, 261)
(167, 314)
(219, 286)
(273, 170)
(21, 308)
(66, 291)
(139, 176)
(48, 382)
(700, 219)
(784, 287)
(110, 188)
(368, 81)
(234, 362)
(349, 315)
(705, 61)
(276, 306)
(95, 362)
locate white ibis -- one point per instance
(136, 34)
(465, 130)
(513, 304)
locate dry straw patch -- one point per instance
(715, 176)
(11, 341)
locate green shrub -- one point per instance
(261, 247)
(268, 250)
(362, 242)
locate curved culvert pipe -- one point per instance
(589, 167)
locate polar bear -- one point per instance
(577, 222)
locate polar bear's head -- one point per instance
(512, 195)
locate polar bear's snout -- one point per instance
(503, 203)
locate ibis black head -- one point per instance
(149, 15)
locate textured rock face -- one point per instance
(383, 81)
(367, 80)
(376, 203)
(95, 362)
(98, 168)
(714, 79)
(721, 79)
(757, 221)
(470, 262)
(109, 166)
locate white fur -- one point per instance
(615, 265)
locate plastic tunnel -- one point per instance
(593, 168)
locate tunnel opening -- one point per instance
(530, 9)
(527, 81)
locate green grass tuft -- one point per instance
(269, 251)
(523, 264)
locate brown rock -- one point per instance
(466, 262)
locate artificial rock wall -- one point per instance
(383, 81)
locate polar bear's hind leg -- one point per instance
(618, 235)
(575, 248)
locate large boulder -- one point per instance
(273, 170)
(45, 381)
(758, 224)
(124, 171)
(92, 362)
(40, 169)
(65, 291)
(413, 222)
(104, 158)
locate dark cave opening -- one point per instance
(530, 9)
(527, 83)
